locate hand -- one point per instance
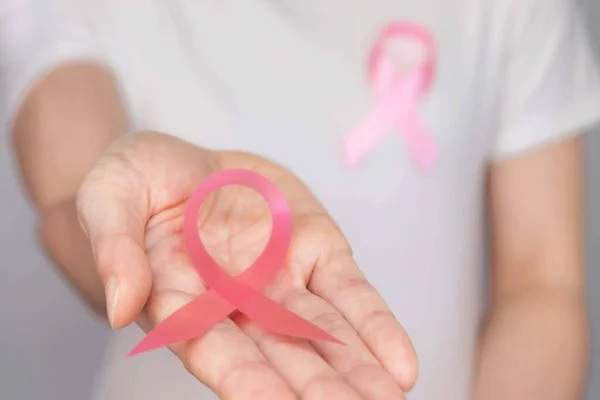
(131, 206)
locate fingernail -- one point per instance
(112, 298)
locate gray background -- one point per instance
(50, 346)
(593, 210)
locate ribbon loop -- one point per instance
(228, 293)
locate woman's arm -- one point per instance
(535, 341)
(65, 123)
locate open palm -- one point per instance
(131, 206)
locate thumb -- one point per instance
(113, 211)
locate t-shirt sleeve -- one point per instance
(550, 86)
(37, 36)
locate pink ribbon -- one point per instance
(397, 96)
(227, 293)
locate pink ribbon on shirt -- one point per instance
(397, 97)
(228, 294)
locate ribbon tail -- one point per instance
(393, 106)
(277, 319)
(191, 321)
(421, 145)
(367, 135)
(269, 314)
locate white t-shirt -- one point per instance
(286, 79)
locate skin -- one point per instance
(130, 203)
(127, 192)
(535, 343)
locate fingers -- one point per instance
(341, 284)
(238, 362)
(224, 359)
(229, 363)
(113, 211)
(304, 369)
(353, 360)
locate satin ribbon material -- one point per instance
(228, 294)
(397, 97)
